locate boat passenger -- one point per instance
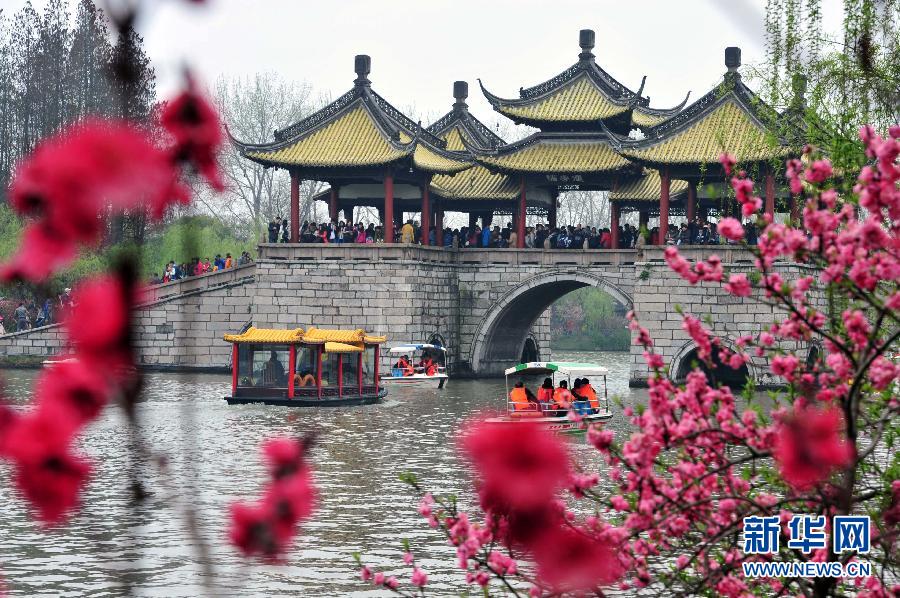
(562, 398)
(273, 373)
(427, 365)
(406, 365)
(304, 379)
(590, 394)
(521, 398)
(580, 402)
(545, 392)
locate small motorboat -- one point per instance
(546, 414)
(312, 368)
(428, 370)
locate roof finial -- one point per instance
(362, 64)
(460, 93)
(586, 41)
(732, 58)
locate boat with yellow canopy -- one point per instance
(312, 368)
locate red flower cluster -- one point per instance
(71, 179)
(521, 470)
(809, 446)
(195, 126)
(267, 528)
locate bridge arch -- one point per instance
(682, 364)
(502, 334)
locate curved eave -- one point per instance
(474, 184)
(556, 157)
(698, 135)
(647, 189)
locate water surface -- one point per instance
(114, 547)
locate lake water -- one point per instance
(113, 547)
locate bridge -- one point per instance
(489, 306)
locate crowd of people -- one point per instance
(550, 401)
(174, 271)
(541, 236)
(31, 314)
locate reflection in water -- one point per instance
(112, 544)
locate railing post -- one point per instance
(295, 207)
(292, 367)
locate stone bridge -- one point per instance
(489, 306)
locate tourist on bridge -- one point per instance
(45, 316)
(21, 314)
(273, 230)
(285, 233)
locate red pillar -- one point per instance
(426, 214)
(614, 225)
(377, 359)
(295, 207)
(691, 207)
(439, 226)
(359, 376)
(341, 374)
(520, 216)
(292, 368)
(770, 192)
(663, 206)
(333, 205)
(319, 370)
(234, 368)
(388, 207)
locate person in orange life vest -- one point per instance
(521, 398)
(588, 392)
(579, 399)
(545, 394)
(562, 398)
(427, 365)
(405, 365)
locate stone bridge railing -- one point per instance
(195, 284)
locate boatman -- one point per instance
(427, 365)
(521, 398)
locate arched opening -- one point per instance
(812, 356)
(440, 357)
(502, 336)
(720, 372)
(530, 351)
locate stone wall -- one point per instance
(659, 290)
(482, 304)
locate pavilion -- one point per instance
(594, 133)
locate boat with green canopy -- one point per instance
(567, 387)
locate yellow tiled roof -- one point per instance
(454, 140)
(374, 339)
(726, 128)
(267, 335)
(475, 183)
(559, 156)
(646, 188)
(331, 347)
(428, 160)
(336, 336)
(643, 119)
(578, 100)
(353, 139)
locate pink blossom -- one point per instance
(738, 285)
(810, 445)
(731, 229)
(419, 578)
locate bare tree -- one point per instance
(253, 108)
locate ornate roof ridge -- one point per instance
(731, 88)
(541, 136)
(473, 126)
(384, 125)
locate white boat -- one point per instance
(415, 375)
(540, 413)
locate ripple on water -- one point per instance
(212, 452)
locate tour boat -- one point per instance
(556, 371)
(312, 368)
(416, 375)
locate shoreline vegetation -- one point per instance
(588, 319)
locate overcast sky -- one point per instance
(419, 47)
